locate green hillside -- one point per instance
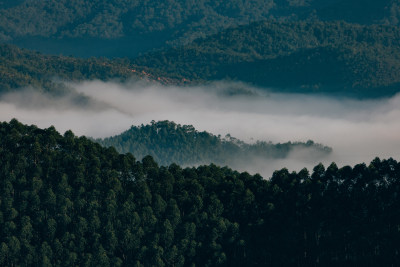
(136, 25)
(333, 57)
(308, 57)
(170, 143)
(87, 28)
(20, 68)
(67, 201)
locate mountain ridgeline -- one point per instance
(318, 57)
(67, 201)
(169, 143)
(21, 68)
(335, 58)
(97, 27)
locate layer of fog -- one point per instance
(357, 130)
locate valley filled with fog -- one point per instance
(357, 130)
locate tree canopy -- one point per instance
(311, 56)
(67, 201)
(326, 57)
(21, 68)
(168, 142)
(140, 26)
(116, 18)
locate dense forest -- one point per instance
(143, 25)
(117, 18)
(21, 68)
(169, 143)
(67, 201)
(333, 57)
(318, 57)
(287, 46)
(131, 199)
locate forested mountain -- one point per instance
(142, 25)
(169, 143)
(21, 68)
(293, 46)
(322, 57)
(326, 57)
(357, 11)
(67, 201)
(333, 57)
(137, 25)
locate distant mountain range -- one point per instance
(286, 46)
(125, 28)
(323, 57)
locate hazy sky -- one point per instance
(356, 130)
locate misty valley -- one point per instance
(228, 123)
(182, 133)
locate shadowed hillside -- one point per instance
(322, 57)
(125, 28)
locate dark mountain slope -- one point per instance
(322, 57)
(359, 11)
(125, 28)
(137, 25)
(298, 56)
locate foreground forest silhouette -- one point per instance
(67, 201)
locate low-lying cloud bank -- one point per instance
(356, 130)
